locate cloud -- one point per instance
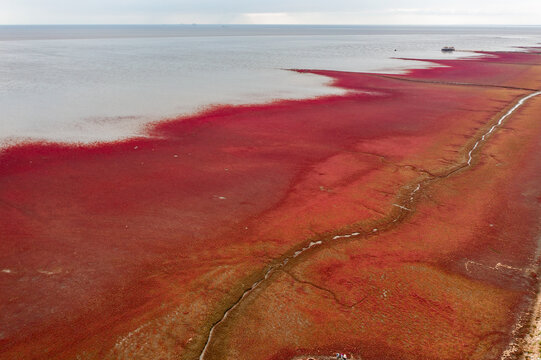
(276, 11)
(268, 18)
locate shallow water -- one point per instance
(92, 83)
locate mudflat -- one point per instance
(398, 221)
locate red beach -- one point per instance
(398, 221)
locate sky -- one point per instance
(415, 12)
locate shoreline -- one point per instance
(527, 345)
(92, 116)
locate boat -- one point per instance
(448, 49)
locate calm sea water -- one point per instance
(94, 83)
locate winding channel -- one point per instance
(405, 206)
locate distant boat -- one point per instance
(448, 49)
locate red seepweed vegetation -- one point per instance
(135, 249)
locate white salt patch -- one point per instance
(401, 207)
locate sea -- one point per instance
(86, 84)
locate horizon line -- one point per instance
(277, 24)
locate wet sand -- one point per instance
(529, 347)
(424, 242)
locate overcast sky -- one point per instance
(518, 12)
